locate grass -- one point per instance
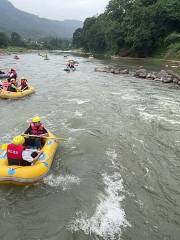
(13, 50)
(170, 52)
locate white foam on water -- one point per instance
(109, 218)
(116, 93)
(111, 153)
(146, 116)
(141, 108)
(130, 97)
(76, 129)
(65, 182)
(79, 101)
(147, 171)
(149, 117)
(78, 114)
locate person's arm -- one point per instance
(44, 135)
(37, 157)
(27, 131)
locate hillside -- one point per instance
(32, 26)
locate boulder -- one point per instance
(141, 73)
(175, 80)
(151, 76)
(175, 75)
(98, 69)
(124, 71)
(167, 80)
(157, 79)
(165, 77)
(108, 70)
(116, 71)
(162, 74)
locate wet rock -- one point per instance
(124, 71)
(162, 75)
(141, 73)
(157, 79)
(108, 70)
(116, 71)
(98, 69)
(175, 75)
(175, 80)
(167, 80)
(165, 77)
(112, 70)
(151, 76)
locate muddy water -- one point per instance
(116, 176)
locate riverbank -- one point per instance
(13, 50)
(157, 57)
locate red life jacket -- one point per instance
(15, 151)
(37, 130)
(13, 74)
(24, 84)
(6, 85)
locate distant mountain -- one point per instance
(32, 26)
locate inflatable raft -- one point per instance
(25, 175)
(69, 69)
(3, 75)
(15, 95)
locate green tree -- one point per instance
(140, 26)
(16, 40)
(77, 38)
(4, 40)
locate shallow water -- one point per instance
(116, 176)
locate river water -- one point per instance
(118, 174)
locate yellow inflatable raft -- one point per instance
(15, 95)
(25, 175)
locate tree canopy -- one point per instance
(49, 43)
(139, 26)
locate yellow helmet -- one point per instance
(18, 140)
(22, 78)
(36, 119)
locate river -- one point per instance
(118, 174)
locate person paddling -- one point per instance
(71, 64)
(36, 130)
(24, 86)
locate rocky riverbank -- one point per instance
(165, 76)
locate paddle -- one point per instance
(27, 135)
(24, 89)
(4, 146)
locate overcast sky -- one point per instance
(62, 9)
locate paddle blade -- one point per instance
(4, 146)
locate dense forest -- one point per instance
(133, 28)
(49, 43)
